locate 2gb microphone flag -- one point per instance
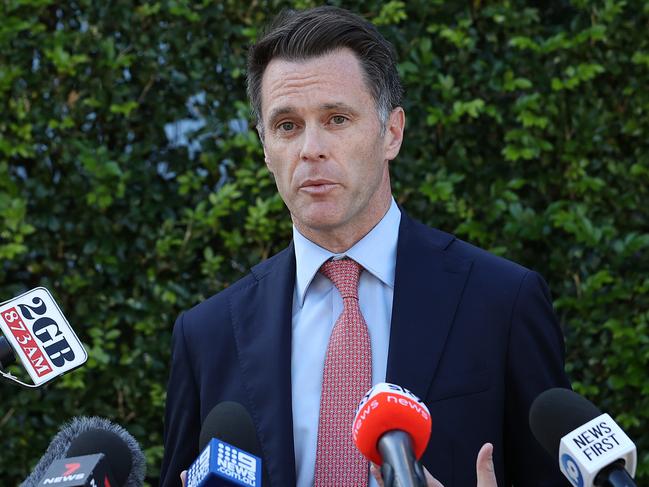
(40, 335)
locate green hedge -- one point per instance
(133, 186)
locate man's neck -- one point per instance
(341, 239)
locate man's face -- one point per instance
(323, 143)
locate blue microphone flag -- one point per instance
(223, 465)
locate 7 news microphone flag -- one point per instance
(87, 449)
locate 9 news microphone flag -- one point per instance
(230, 451)
(221, 464)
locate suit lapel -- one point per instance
(427, 289)
(261, 317)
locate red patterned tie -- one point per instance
(347, 377)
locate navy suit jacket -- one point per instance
(472, 334)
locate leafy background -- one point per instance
(132, 183)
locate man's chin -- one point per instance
(323, 220)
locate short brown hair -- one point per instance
(300, 35)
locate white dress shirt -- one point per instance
(316, 307)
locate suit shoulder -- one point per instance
(218, 303)
(481, 259)
(486, 259)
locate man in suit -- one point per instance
(471, 334)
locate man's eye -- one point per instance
(287, 126)
(338, 119)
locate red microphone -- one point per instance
(392, 428)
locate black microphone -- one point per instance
(400, 467)
(230, 451)
(7, 356)
(591, 448)
(82, 441)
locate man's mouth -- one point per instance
(317, 186)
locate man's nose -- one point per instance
(314, 144)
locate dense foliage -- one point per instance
(132, 184)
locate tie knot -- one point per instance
(344, 274)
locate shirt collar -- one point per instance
(376, 252)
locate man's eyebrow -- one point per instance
(284, 110)
(339, 106)
(279, 111)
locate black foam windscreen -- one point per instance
(117, 451)
(230, 422)
(555, 413)
(60, 444)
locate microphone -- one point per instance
(391, 429)
(592, 449)
(230, 452)
(85, 438)
(41, 337)
(7, 356)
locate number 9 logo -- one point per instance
(571, 470)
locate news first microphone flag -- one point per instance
(41, 336)
(584, 452)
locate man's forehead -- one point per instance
(335, 78)
(342, 55)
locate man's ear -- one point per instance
(260, 133)
(394, 133)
